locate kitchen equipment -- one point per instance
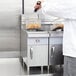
(34, 48)
(31, 21)
(33, 24)
(55, 48)
(41, 48)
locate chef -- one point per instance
(65, 9)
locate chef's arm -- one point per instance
(47, 10)
(65, 10)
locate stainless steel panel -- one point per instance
(10, 11)
(9, 40)
(55, 48)
(55, 54)
(55, 40)
(34, 50)
(37, 41)
(37, 55)
(23, 44)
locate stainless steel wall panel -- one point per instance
(9, 40)
(29, 6)
(9, 19)
(10, 11)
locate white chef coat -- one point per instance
(64, 9)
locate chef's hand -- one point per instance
(37, 6)
(58, 26)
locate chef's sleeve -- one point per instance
(59, 9)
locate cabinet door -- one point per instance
(38, 55)
(55, 54)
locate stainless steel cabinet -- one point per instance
(55, 48)
(38, 55)
(34, 45)
(55, 54)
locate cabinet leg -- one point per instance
(48, 69)
(41, 69)
(28, 70)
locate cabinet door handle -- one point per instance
(31, 53)
(52, 51)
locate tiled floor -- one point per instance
(12, 67)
